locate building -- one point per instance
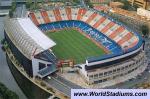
(141, 3)
(144, 13)
(33, 49)
(5, 4)
(34, 56)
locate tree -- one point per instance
(35, 4)
(28, 3)
(2, 41)
(76, 1)
(10, 13)
(13, 8)
(6, 93)
(14, 4)
(89, 3)
(127, 5)
(145, 30)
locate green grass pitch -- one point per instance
(70, 44)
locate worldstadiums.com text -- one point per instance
(109, 93)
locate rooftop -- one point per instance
(32, 40)
(5, 2)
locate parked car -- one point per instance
(49, 77)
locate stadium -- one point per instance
(103, 51)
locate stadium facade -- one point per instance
(125, 56)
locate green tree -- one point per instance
(76, 1)
(145, 30)
(2, 88)
(89, 3)
(13, 8)
(6, 93)
(28, 3)
(127, 5)
(10, 95)
(11, 13)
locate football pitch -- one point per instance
(71, 44)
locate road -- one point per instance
(5, 74)
(62, 84)
(68, 83)
(59, 86)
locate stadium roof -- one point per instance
(27, 37)
(36, 34)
